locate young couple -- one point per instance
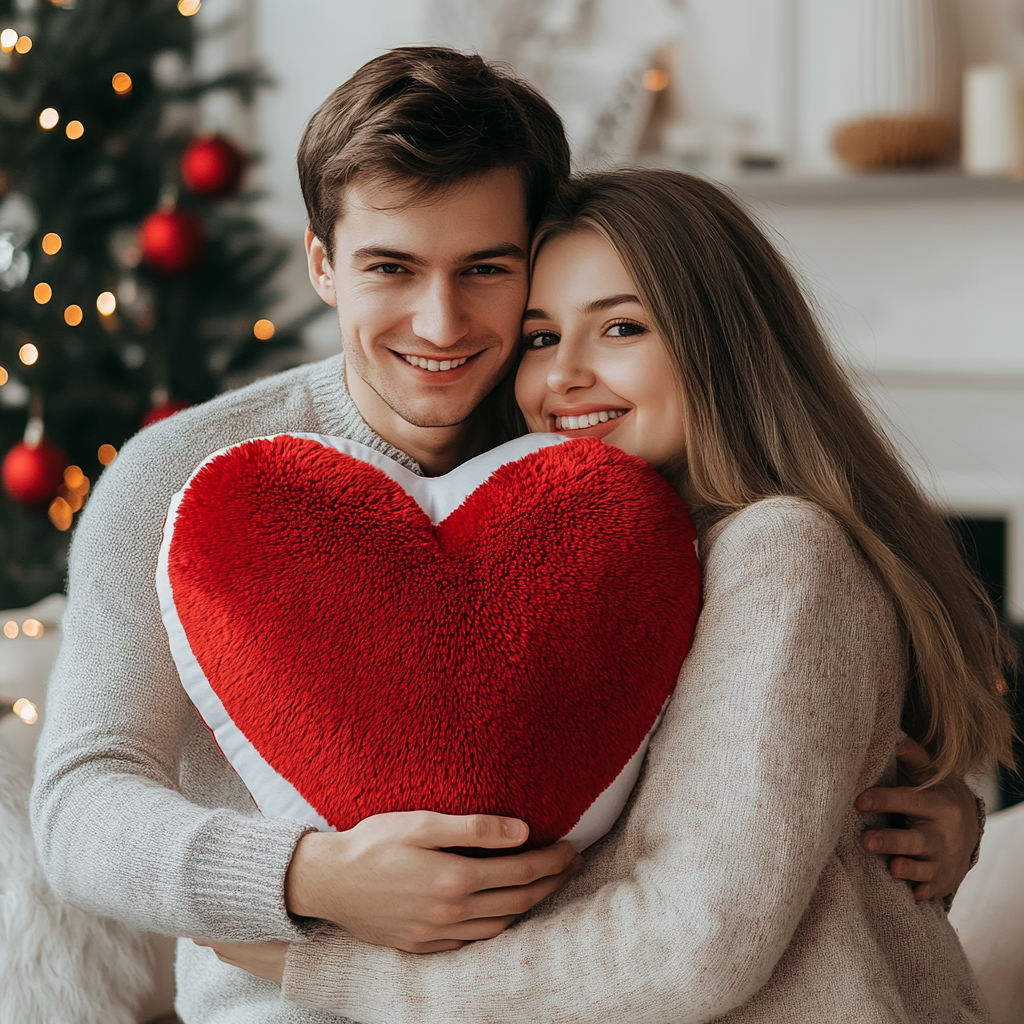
(736, 885)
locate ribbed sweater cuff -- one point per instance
(318, 974)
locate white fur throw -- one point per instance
(58, 964)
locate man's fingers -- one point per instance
(517, 900)
(912, 756)
(924, 891)
(912, 870)
(442, 831)
(431, 947)
(892, 841)
(523, 868)
(890, 800)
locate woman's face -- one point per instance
(593, 363)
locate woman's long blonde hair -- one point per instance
(770, 412)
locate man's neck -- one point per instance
(437, 450)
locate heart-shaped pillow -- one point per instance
(501, 639)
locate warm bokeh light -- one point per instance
(10, 629)
(23, 45)
(28, 354)
(60, 514)
(4, 376)
(106, 303)
(25, 710)
(263, 329)
(48, 118)
(106, 454)
(75, 478)
(52, 243)
(189, 7)
(8, 40)
(655, 79)
(122, 83)
(74, 130)
(33, 628)
(73, 315)
(42, 293)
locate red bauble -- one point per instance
(212, 166)
(172, 241)
(32, 473)
(163, 410)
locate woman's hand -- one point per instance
(264, 959)
(934, 851)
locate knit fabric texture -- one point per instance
(510, 659)
(733, 887)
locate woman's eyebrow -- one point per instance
(610, 301)
(535, 314)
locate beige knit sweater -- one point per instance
(733, 888)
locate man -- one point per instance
(422, 177)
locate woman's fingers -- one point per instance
(523, 868)
(495, 903)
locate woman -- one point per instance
(836, 609)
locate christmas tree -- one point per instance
(134, 279)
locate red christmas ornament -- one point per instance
(172, 241)
(33, 472)
(162, 410)
(212, 166)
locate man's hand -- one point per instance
(264, 959)
(934, 850)
(391, 882)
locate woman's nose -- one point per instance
(438, 316)
(570, 368)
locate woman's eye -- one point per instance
(626, 329)
(543, 339)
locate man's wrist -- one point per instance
(306, 875)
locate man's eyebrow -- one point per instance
(507, 250)
(373, 252)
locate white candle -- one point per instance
(993, 137)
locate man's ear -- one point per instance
(321, 274)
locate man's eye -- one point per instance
(388, 268)
(485, 270)
(543, 339)
(626, 329)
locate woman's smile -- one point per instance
(594, 364)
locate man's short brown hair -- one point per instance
(427, 117)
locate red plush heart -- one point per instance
(509, 660)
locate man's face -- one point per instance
(430, 296)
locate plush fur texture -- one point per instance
(509, 660)
(58, 964)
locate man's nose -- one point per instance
(439, 317)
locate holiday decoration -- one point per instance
(212, 167)
(501, 639)
(162, 409)
(99, 100)
(172, 241)
(34, 468)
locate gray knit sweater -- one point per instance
(136, 813)
(731, 889)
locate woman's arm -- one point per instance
(684, 910)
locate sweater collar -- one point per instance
(340, 417)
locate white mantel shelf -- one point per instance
(942, 185)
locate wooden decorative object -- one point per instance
(913, 140)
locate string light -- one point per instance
(26, 711)
(48, 118)
(655, 79)
(122, 83)
(8, 40)
(73, 315)
(42, 293)
(74, 130)
(263, 329)
(106, 454)
(10, 629)
(52, 243)
(189, 7)
(33, 628)
(106, 303)
(23, 45)
(60, 514)
(28, 354)
(4, 376)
